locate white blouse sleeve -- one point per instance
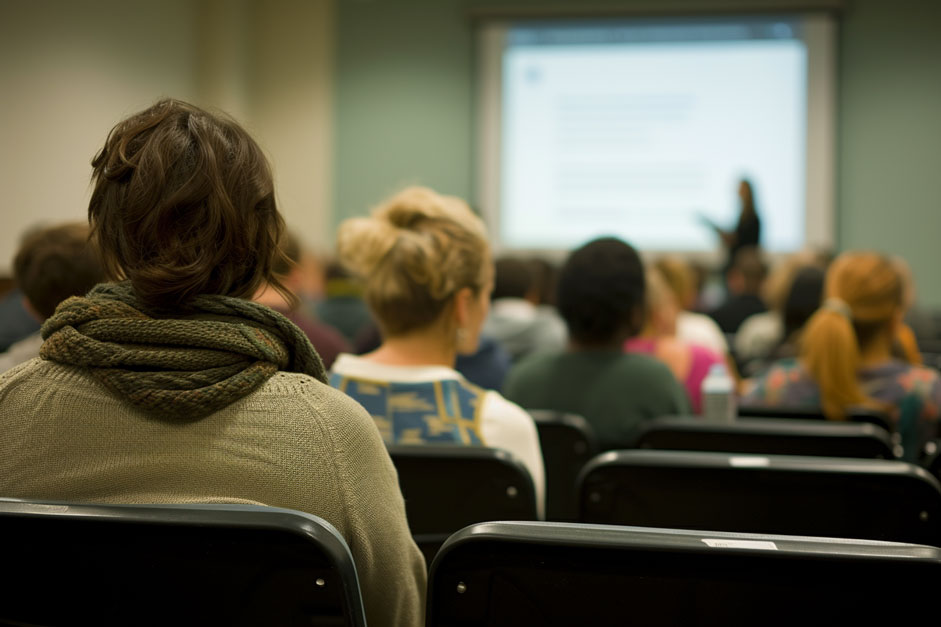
(507, 426)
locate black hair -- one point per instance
(514, 278)
(803, 299)
(601, 292)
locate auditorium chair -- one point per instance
(72, 564)
(808, 496)
(856, 414)
(504, 574)
(767, 436)
(447, 487)
(931, 457)
(567, 443)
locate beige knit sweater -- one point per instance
(293, 443)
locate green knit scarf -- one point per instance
(179, 369)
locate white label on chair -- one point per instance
(740, 544)
(749, 462)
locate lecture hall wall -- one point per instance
(353, 98)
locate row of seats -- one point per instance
(782, 494)
(254, 565)
(568, 442)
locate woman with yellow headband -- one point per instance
(848, 354)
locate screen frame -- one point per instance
(820, 36)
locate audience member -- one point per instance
(326, 340)
(547, 278)
(343, 307)
(601, 299)
(487, 366)
(743, 281)
(171, 386)
(846, 359)
(803, 300)
(692, 327)
(761, 334)
(917, 322)
(16, 322)
(428, 276)
(51, 265)
(689, 363)
(516, 320)
(747, 232)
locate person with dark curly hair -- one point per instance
(169, 385)
(601, 298)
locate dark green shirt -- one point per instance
(614, 391)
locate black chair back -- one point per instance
(768, 437)
(812, 496)
(553, 574)
(931, 458)
(858, 414)
(70, 564)
(567, 443)
(447, 488)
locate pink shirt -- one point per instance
(701, 360)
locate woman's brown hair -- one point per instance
(863, 292)
(183, 204)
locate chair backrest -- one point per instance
(814, 496)
(931, 457)
(768, 437)
(447, 488)
(77, 564)
(501, 574)
(857, 414)
(567, 443)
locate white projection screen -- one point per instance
(642, 128)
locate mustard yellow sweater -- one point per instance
(293, 443)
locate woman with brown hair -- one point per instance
(171, 386)
(689, 363)
(426, 265)
(846, 354)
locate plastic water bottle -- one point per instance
(718, 395)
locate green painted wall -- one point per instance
(404, 100)
(404, 104)
(890, 135)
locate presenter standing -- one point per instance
(747, 231)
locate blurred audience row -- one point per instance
(186, 341)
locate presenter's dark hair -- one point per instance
(183, 204)
(601, 292)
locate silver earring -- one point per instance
(461, 335)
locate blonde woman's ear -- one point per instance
(463, 302)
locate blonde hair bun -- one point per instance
(414, 252)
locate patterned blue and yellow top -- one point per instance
(424, 412)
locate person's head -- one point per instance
(298, 270)
(514, 278)
(662, 308)
(55, 263)
(680, 278)
(803, 298)
(546, 281)
(777, 285)
(862, 306)
(601, 293)
(747, 272)
(747, 195)
(426, 265)
(183, 204)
